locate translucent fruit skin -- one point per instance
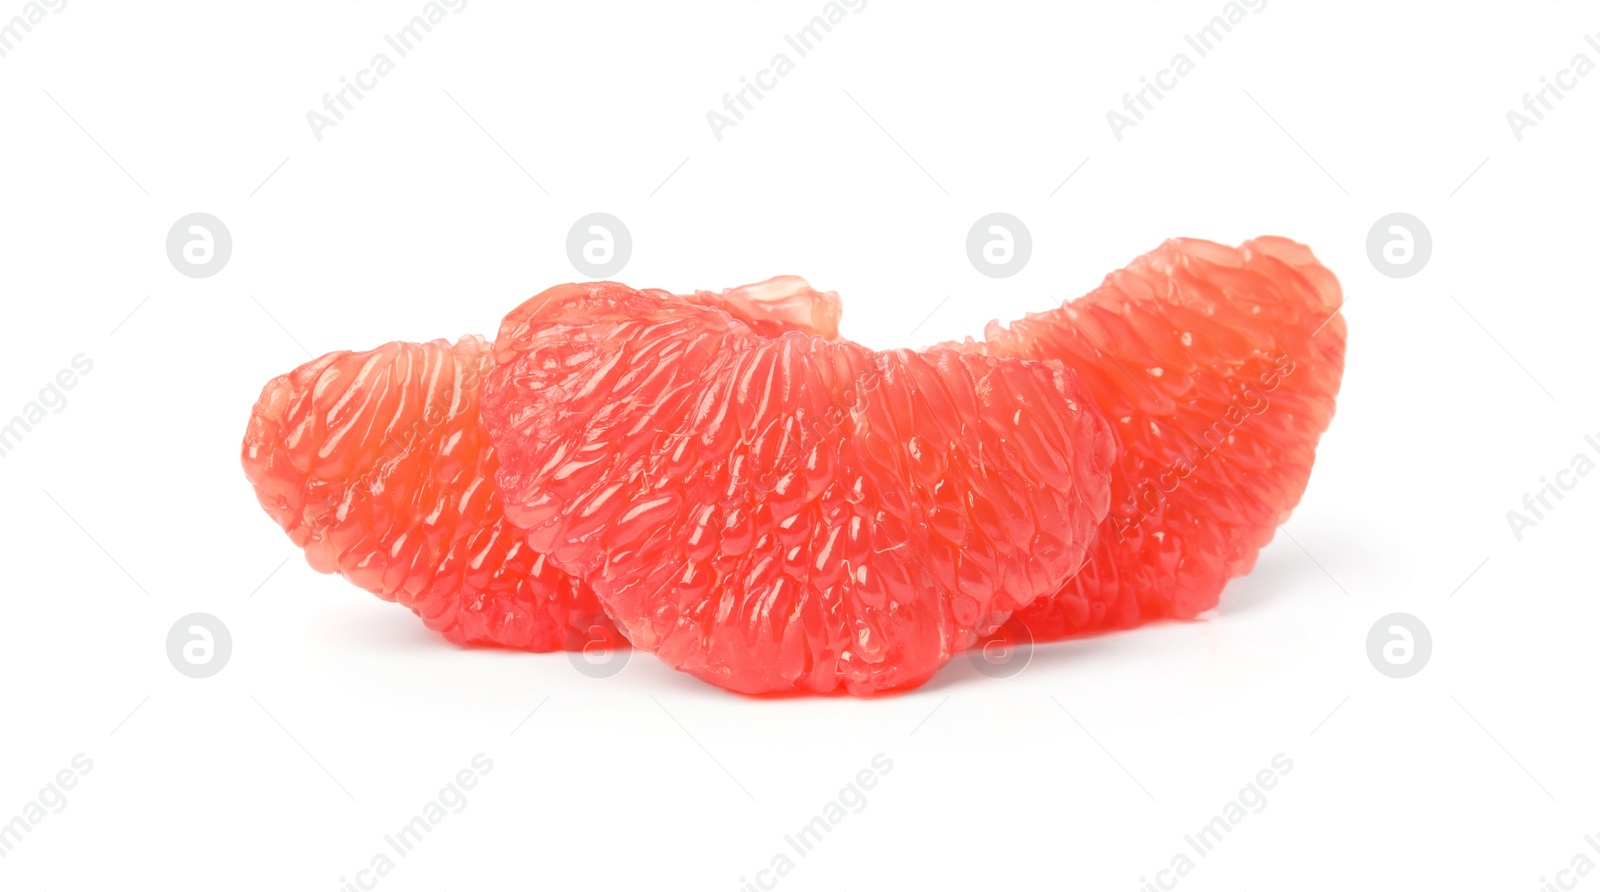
(376, 463)
(775, 306)
(1217, 368)
(789, 514)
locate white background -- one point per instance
(425, 214)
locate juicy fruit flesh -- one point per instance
(774, 513)
(376, 463)
(1217, 368)
(788, 514)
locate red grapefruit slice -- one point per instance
(1217, 368)
(789, 514)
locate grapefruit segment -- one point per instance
(374, 463)
(1217, 368)
(788, 514)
